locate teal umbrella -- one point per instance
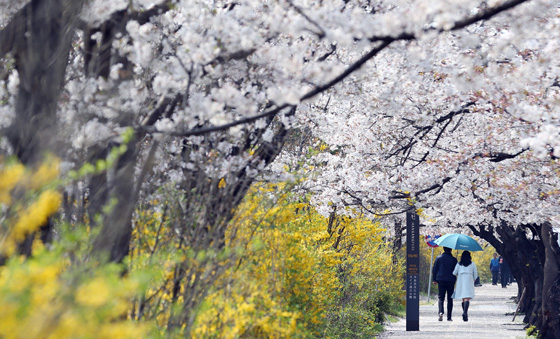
(458, 241)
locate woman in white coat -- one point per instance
(466, 273)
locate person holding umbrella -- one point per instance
(466, 274)
(464, 290)
(442, 275)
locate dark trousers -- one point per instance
(445, 287)
(495, 277)
(505, 278)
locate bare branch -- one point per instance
(321, 34)
(480, 16)
(351, 69)
(486, 14)
(145, 16)
(499, 156)
(210, 129)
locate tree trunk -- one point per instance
(39, 38)
(42, 33)
(114, 237)
(536, 268)
(550, 310)
(397, 240)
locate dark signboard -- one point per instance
(412, 271)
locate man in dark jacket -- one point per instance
(442, 275)
(505, 272)
(495, 269)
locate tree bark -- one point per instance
(397, 240)
(115, 235)
(39, 38)
(536, 268)
(550, 310)
(42, 33)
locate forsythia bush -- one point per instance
(285, 271)
(50, 295)
(24, 216)
(42, 298)
(301, 275)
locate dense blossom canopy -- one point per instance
(441, 109)
(449, 107)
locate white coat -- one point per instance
(465, 281)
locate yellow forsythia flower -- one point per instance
(9, 177)
(94, 293)
(46, 173)
(222, 183)
(36, 214)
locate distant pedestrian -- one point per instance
(466, 274)
(442, 275)
(505, 272)
(495, 269)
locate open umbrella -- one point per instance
(458, 241)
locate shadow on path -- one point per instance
(487, 318)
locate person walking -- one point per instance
(495, 269)
(505, 272)
(442, 275)
(466, 274)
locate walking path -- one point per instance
(487, 318)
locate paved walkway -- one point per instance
(487, 318)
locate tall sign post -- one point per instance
(412, 271)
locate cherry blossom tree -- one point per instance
(450, 105)
(465, 125)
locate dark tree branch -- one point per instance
(437, 187)
(145, 16)
(351, 69)
(237, 55)
(385, 42)
(166, 104)
(141, 17)
(486, 14)
(321, 34)
(423, 131)
(328, 54)
(499, 156)
(463, 110)
(210, 129)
